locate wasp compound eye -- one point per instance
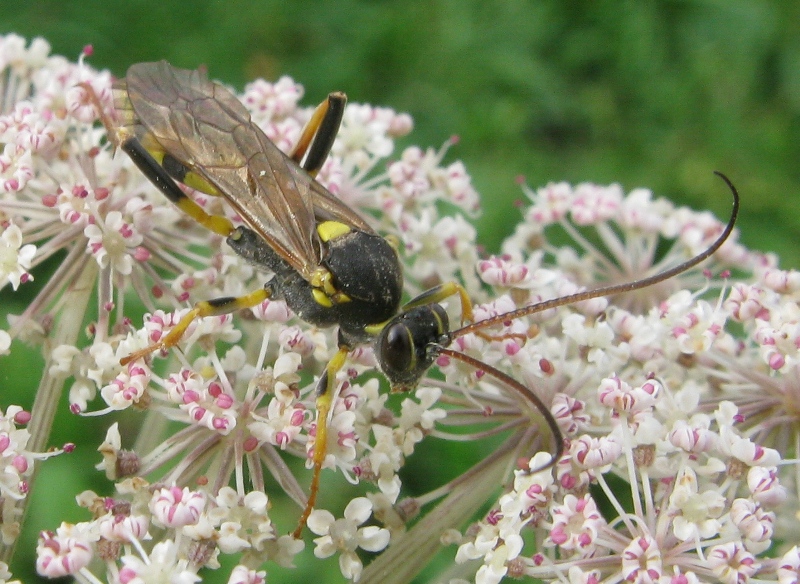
(395, 350)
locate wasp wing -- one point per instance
(208, 130)
(328, 207)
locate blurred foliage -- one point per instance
(654, 94)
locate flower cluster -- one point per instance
(676, 402)
(665, 412)
(17, 462)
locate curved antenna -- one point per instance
(523, 391)
(616, 288)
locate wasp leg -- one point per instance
(161, 168)
(162, 177)
(319, 133)
(116, 134)
(442, 292)
(325, 394)
(203, 308)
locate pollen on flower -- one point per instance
(127, 388)
(576, 524)
(204, 402)
(176, 507)
(641, 561)
(732, 563)
(345, 535)
(64, 552)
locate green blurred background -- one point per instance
(655, 94)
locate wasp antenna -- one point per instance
(112, 131)
(616, 288)
(533, 400)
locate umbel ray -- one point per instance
(328, 264)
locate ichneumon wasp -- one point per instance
(328, 264)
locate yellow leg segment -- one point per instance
(442, 292)
(446, 290)
(201, 309)
(431, 296)
(216, 223)
(326, 390)
(149, 151)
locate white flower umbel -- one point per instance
(678, 403)
(346, 535)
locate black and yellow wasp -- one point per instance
(329, 265)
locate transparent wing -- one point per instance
(208, 130)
